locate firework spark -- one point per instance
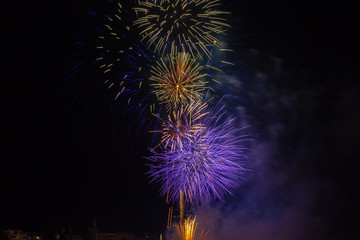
(192, 24)
(111, 63)
(201, 157)
(187, 230)
(177, 80)
(124, 61)
(113, 39)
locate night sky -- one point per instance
(63, 163)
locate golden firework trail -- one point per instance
(192, 24)
(177, 80)
(169, 220)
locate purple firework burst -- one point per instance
(206, 164)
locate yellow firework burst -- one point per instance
(192, 24)
(176, 80)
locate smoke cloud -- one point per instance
(293, 189)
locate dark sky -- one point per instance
(56, 171)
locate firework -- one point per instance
(110, 69)
(114, 40)
(177, 80)
(204, 161)
(182, 124)
(187, 229)
(192, 24)
(125, 61)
